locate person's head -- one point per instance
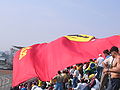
(82, 80)
(68, 68)
(81, 64)
(71, 67)
(91, 60)
(114, 51)
(21, 85)
(25, 85)
(75, 67)
(100, 55)
(67, 72)
(106, 52)
(59, 72)
(94, 59)
(64, 71)
(34, 83)
(77, 64)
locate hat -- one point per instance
(91, 76)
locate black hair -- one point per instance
(114, 48)
(68, 68)
(85, 62)
(82, 80)
(91, 60)
(106, 52)
(25, 85)
(85, 81)
(35, 83)
(64, 71)
(77, 64)
(71, 67)
(59, 72)
(95, 59)
(81, 64)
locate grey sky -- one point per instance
(27, 22)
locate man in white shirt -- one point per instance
(106, 64)
(81, 85)
(72, 70)
(75, 77)
(99, 61)
(35, 87)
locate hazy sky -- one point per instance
(27, 22)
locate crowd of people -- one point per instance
(102, 73)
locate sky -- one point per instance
(28, 22)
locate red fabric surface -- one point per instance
(44, 60)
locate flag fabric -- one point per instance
(44, 60)
(23, 68)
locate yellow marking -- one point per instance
(23, 52)
(80, 37)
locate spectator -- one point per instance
(75, 77)
(72, 71)
(94, 83)
(106, 64)
(114, 71)
(91, 68)
(81, 85)
(24, 87)
(99, 61)
(35, 87)
(59, 81)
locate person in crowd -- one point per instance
(39, 83)
(99, 61)
(50, 87)
(20, 86)
(93, 83)
(91, 68)
(80, 69)
(106, 64)
(35, 86)
(24, 87)
(59, 81)
(44, 85)
(108, 59)
(86, 70)
(81, 85)
(75, 77)
(96, 85)
(94, 59)
(85, 66)
(65, 78)
(106, 53)
(72, 71)
(114, 71)
(68, 85)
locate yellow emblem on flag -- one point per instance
(80, 37)
(23, 52)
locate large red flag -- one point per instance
(44, 60)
